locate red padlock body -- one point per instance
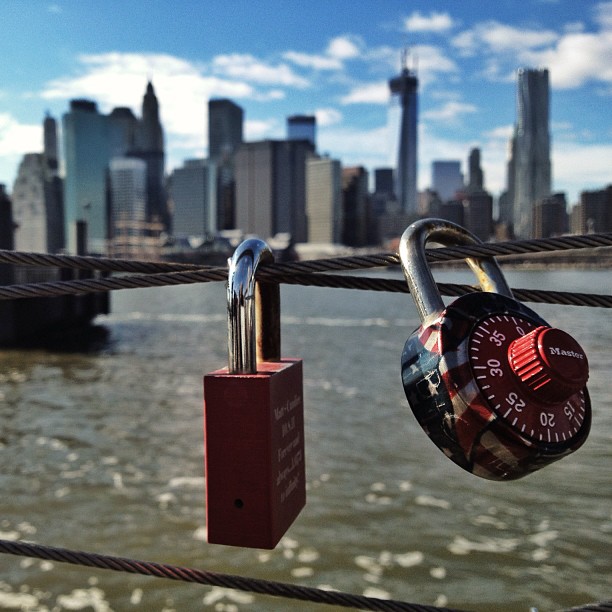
(254, 453)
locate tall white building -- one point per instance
(193, 198)
(128, 189)
(324, 200)
(38, 207)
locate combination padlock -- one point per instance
(498, 390)
(253, 418)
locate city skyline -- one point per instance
(466, 57)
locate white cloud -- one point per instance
(316, 62)
(261, 129)
(495, 37)
(249, 68)
(574, 57)
(431, 61)
(369, 148)
(577, 59)
(503, 132)
(434, 22)
(328, 116)
(603, 15)
(182, 88)
(450, 112)
(344, 47)
(17, 138)
(427, 60)
(368, 93)
(579, 167)
(561, 125)
(338, 50)
(573, 27)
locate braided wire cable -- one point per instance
(353, 262)
(266, 273)
(88, 262)
(186, 574)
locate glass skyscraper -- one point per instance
(302, 127)
(225, 119)
(406, 87)
(86, 152)
(532, 168)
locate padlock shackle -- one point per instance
(243, 343)
(418, 274)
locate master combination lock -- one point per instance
(496, 388)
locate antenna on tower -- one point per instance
(404, 59)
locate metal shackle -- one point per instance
(253, 310)
(418, 274)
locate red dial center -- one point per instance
(550, 362)
(531, 376)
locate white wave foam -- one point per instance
(166, 317)
(336, 322)
(462, 546)
(186, 481)
(81, 599)
(433, 502)
(302, 572)
(409, 559)
(374, 592)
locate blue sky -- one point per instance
(329, 58)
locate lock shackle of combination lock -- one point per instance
(418, 274)
(253, 310)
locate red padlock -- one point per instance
(253, 418)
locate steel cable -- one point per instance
(185, 574)
(76, 287)
(230, 581)
(353, 262)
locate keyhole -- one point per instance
(238, 503)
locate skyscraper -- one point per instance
(302, 127)
(475, 173)
(191, 194)
(123, 127)
(532, 169)
(127, 187)
(355, 206)
(38, 206)
(50, 143)
(225, 121)
(446, 178)
(86, 151)
(150, 148)
(383, 181)
(405, 85)
(271, 188)
(324, 200)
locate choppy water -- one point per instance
(102, 451)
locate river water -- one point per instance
(102, 450)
